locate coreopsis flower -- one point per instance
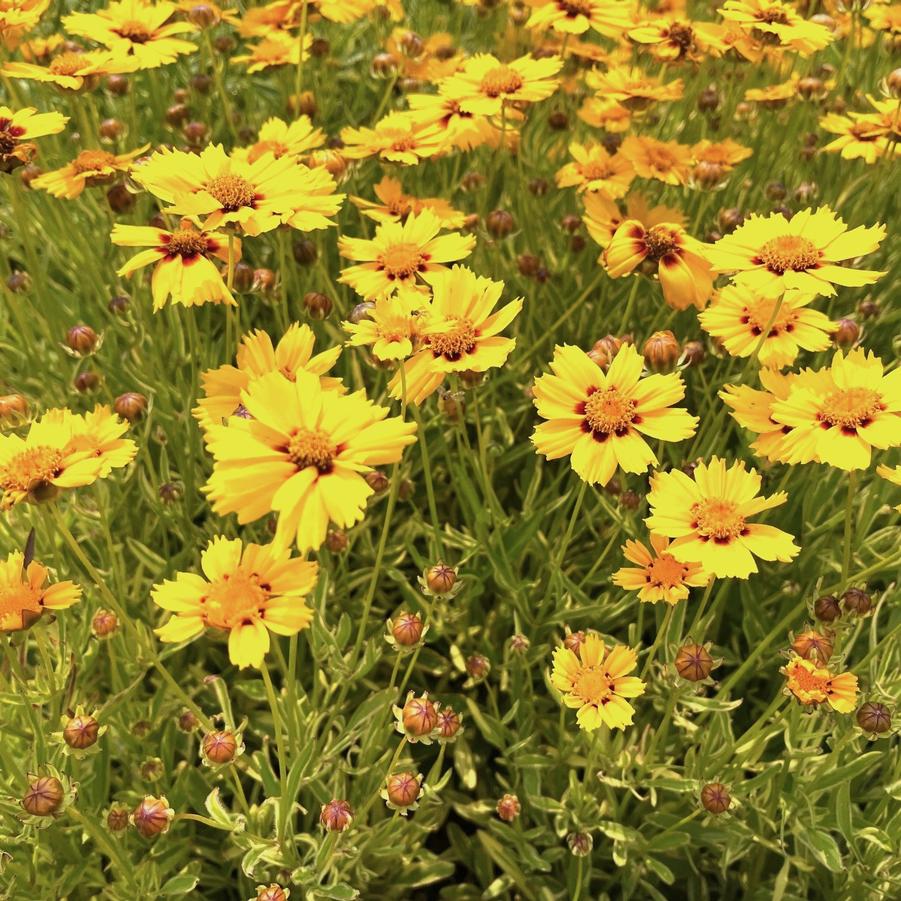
(400, 137)
(674, 38)
(257, 357)
(460, 332)
(813, 685)
(851, 408)
(632, 87)
(35, 49)
(89, 169)
(684, 272)
(599, 418)
(577, 16)
(890, 474)
(183, 262)
(771, 253)
(708, 516)
(658, 575)
(24, 594)
(460, 129)
(599, 112)
(281, 138)
(256, 196)
(594, 169)
(401, 253)
(139, 31)
(276, 49)
(738, 316)
(391, 327)
(72, 69)
(726, 154)
(246, 590)
(17, 130)
(596, 682)
(603, 217)
(395, 205)
(779, 23)
(429, 59)
(61, 451)
(869, 136)
(666, 161)
(485, 85)
(17, 18)
(303, 454)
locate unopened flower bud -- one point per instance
(605, 350)
(558, 120)
(539, 186)
(12, 407)
(519, 644)
(243, 277)
(86, 381)
(82, 339)
(336, 816)
(407, 628)
(177, 114)
(361, 312)
(715, 798)
(320, 48)
(419, 716)
(336, 540)
(730, 218)
(441, 578)
(508, 808)
(304, 104)
(709, 99)
(118, 304)
(104, 623)
(111, 129)
(500, 223)
(117, 85)
(117, 818)
(527, 264)
(868, 309)
(152, 816)
(571, 223)
(449, 724)
(661, 352)
(403, 789)
(629, 499)
(574, 640)
(472, 181)
(874, 717)
(893, 83)
(693, 662)
(580, 843)
(44, 796)
(378, 481)
(81, 731)
(202, 16)
(857, 602)
(383, 65)
(120, 199)
(152, 769)
(811, 88)
(318, 305)
(187, 721)
(131, 406)
(219, 746)
(693, 353)
(846, 333)
(826, 609)
(478, 666)
(813, 645)
(196, 133)
(775, 190)
(272, 892)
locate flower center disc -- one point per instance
(233, 600)
(232, 191)
(501, 80)
(186, 243)
(607, 411)
(595, 169)
(806, 680)
(92, 160)
(592, 685)
(67, 64)
(30, 468)
(311, 448)
(717, 519)
(666, 571)
(660, 241)
(574, 8)
(136, 32)
(851, 408)
(454, 344)
(401, 261)
(789, 252)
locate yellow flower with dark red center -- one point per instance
(776, 23)
(869, 136)
(632, 87)
(666, 161)
(460, 129)
(183, 262)
(89, 169)
(738, 316)
(600, 418)
(596, 683)
(658, 576)
(391, 327)
(257, 357)
(136, 30)
(283, 139)
(684, 272)
(401, 253)
(24, 594)
(838, 418)
(772, 253)
(459, 332)
(577, 16)
(302, 453)
(72, 69)
(814, 685)
(603, 217)
(709, 518)
(395, 205)
(18, 128)
(401, 137)
(594, 169)
(245, 590)
(672, 38)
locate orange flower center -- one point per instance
(232, 192)
(789, 252)
(186, 242)
(592, 685)
(660, 240)
(16, 602)
(234, 599)
(608, 412)
(402, 144)
(757, 317)
(136, 32)
(717, 519)
(501, 80)
(850, 408)
(805, 680)
(310, 447)
(402, 261)
(31, 468)
(595, 169)
(681, 35)
(456, 342)
(67, 64)
(666, 571)
(92, 160)
(574, 8)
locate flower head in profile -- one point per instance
(812, 685)
(460, 129)
(246, 590)
(657, 575)
(395, 206)
(709, 518)
(256, 357)
(632, 87)
(18, 128)
(779, 23)
(594, 169)
(24, 594)
(72, 70)
(401, 254)
(302, 453)
(392, 327)
(603, 216)
(601, 419)
(460, 331)
(738, 315)
(282, 138)
(595, 682)
(771, 253)
(666, 161)
(400, 137)
(89, 169)
(183, 260)
(277, 48)
(837, 416)
(570, 17)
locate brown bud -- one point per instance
(377, 481)
(104, 623)
(448, 723)
(528, 264)
(558, 120)
(539, 186)
(420, 716)
(86, 382)
(152, 769)
(118, 304)
(219, 746)
(869, 309)
(893, 83)
(318, 305)
(304, 104)
(574, 640)
(693, 353)
(177, 114)
(846, 333)
(169, 493)
(811, 88)
(19, 282)
(361, 311)
(693, 662)
(775, 190)
(81, 731)
(715, 798)
(826, 609)
(131, 406)
(29, 173)
(407, 629)
(661, 352)
(224, 43)
(806, 192)
(857, 602)
(117, 818)
(180, 95)
(187, 722)
(243, 277)
(478, 666)
(320, 48)
(605, 350)
(500, 223)
(709, 99)
(264, 281)
(577, 244)
(336, 816)
(117, 85)
(441, 578)
(580, 843)
(152, 816)
(196, 133)
(12, 407)
(629, 499)
(202, 16)
(201, 83)
(111, 129)
(403, 789)
(82, 339)
(336, 540)
(508, 808)
(472, 181)
(874, 717)
(141, 729)
(44, 796)
(519, 644)
(571, 223)
(813, 645)
(383, 65)
(120, 199)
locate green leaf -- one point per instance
(180, 884)
(823, 847)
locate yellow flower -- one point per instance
(666, 161)
(607, 114)
(400, 254)
(24, 596)
(485, 85)
(459, 128)
(892, 475)
(599, 417)
(256, 196)
(577, 16)
(779, 23)
(398, 137)
(659, 576)
(18, 128)
(276, 49)
(726, 153)
(673, 38)
(391, 327)
(837, 419)
(184, 269)
(89, 169)
(17, 18)
(738, 315)
(593, 169)
(136, 30)
(772, 253)
(99, 433)
(71, 69)
(603, 217)
(709, 514)
(866, 136)
(596, 683)
(302, 454)
(257, 357)
(632, 87)
(281, 139)
(248, 591)
(395, 205)
(459, 333)
(813, 685)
